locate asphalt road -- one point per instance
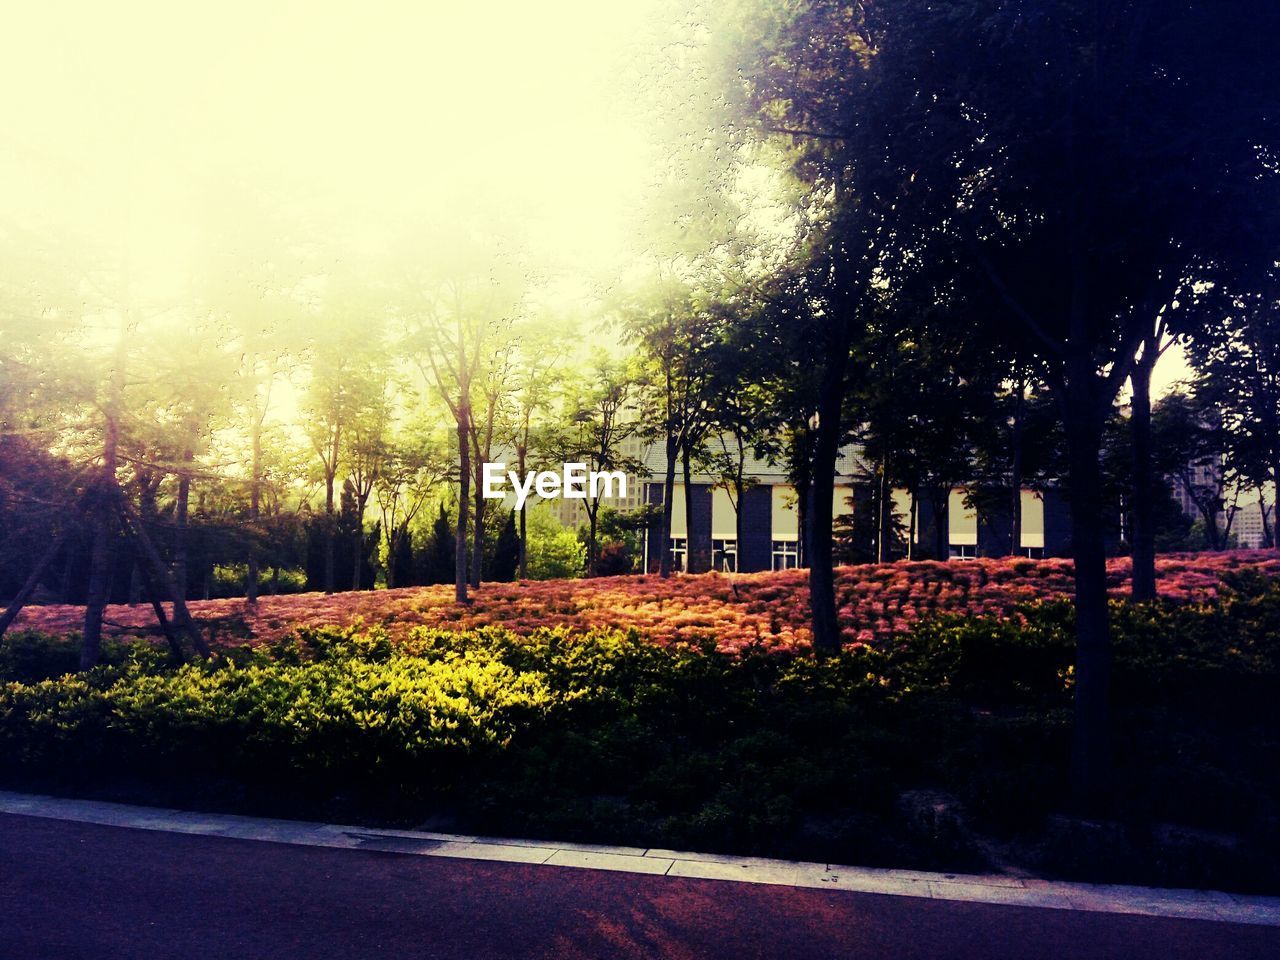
(73, 890)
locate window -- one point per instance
(679, 553)
(1035, 553)
(786, 555)
(964, 551)
(724, 555)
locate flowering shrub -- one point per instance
(766, 611)
(604, 736)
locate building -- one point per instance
(771, 528)
(1247, 529)
(573, 513)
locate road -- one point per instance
(74, 890)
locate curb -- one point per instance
(973, 888)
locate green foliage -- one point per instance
(909, 752)
(506, 552)
(27, 656)
(554, 553)
(330, 706)
(229, 580)
(435, 562)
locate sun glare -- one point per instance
(137, 125)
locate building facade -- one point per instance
(705, 525)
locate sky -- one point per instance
(143, 123)
(176, 135)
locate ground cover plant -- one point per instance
(943, 747)
(764, 610)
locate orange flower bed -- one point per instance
(768, 610)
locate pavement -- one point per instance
(100, 880)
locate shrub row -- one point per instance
(605, 736)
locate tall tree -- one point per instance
(1028, 144)
(1192, 441)
(457, 320)
(416, 465)
(535, 373)
(368, 447)
(1239, 351)
(599, 416)
(1055, 123)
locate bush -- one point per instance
(555, 555)
(924, 750)
(231, 580)
(339, 707)
(27, 656)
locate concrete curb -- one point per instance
(976, 888)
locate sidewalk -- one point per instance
(973, 888)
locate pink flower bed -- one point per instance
(736, 611)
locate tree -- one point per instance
(1239, 352)
(1026, 145)
(534, 377)
(1192, 442)
(331, 402)
(368, 448)
(489, 411)
(555, 553)
(599, 416)
(1081, 233)
(457, 327)
(416, 464)
(435, 563)
(506, 552)
(816, 74)
(663, 322)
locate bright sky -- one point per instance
(164, 132)
(143, 122)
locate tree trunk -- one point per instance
(826, 448)
(135, 583)
(521, 453)
(357, 545)
(33, 579)
(668, 495)
(73, 545)
(393, 540)
(329, 572)
(464, 497)
(180, 510)
(255, 511)
(804, 495)
(100, 555)
(739, 492)
(99, 580)
(692, 560)
(940, 500)
(477, 538)
(911, 528)
(822, 600)
(593, 549)
(181, 615)
(171, 638)
(1091, 735)
(1015, 473)
(1275, 498)
(1141, 510)
(884, 522)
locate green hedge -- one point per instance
(927, 751)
